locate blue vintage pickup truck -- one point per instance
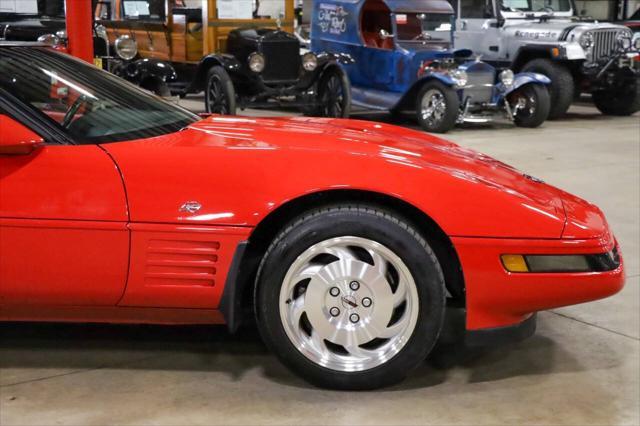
(404, 61)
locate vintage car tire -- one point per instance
(334, 79)
(536, 97)
(367, 228)
(219, 84)
(562, 87)
(622, 103)
(451, 101)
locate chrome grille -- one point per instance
(479, 85)
(604, 43)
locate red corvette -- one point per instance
(346, 238)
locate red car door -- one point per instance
(63, 225)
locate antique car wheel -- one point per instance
(334, 94)
(622, 102)
(530, 105)
(437, 107)
(561, 89)
(220, 96)
(350, 297)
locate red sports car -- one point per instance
(346, 238)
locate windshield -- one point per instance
(90, 105)
(423, 26)
(536, 6)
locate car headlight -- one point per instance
(586, 40)
(309, 61)
(126, 47)
(636, 42)
(50, 40)
(256, 62)
(624, 40)
(459, 77)
(101, 32)
(549, 263)
(506, 77)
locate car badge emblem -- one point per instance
(190, 207)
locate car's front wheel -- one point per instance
(562, 87)
(334, 94)
(437, 107)
(530, 105)
(220, 96)
(350, 297)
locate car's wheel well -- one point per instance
(408, 101)
(269, 227)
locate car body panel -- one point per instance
(180, 266)
(66, 207)
(497, 298)
(324, 155)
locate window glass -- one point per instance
(90, 105)
(423, 26)
(147, 10)
(476, 9)
(536, 5)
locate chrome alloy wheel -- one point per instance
(524, 104)
(349, 304)
(433, 106)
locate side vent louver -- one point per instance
(180, 262)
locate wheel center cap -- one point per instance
(349, 302)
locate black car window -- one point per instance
(476, 9)
(89, 105)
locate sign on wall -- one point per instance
(19, 6)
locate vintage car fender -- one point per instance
(522, 79)
(149, 73)
(156, 68)
(228, 62)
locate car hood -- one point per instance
(390, 144)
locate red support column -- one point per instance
(80, 29)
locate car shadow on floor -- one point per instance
(210, 348)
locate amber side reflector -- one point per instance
(514, 263)
(555, 52)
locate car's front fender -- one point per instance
(522, 79)
(155, 68)
(229, 62)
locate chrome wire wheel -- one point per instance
(433, 107)
(349, 304)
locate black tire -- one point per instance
(365, 222)
(220, 96)
(334, 94)
(536, 105)
(562, 87)
(439, 122)
(619, 102)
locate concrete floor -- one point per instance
(582, 366)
